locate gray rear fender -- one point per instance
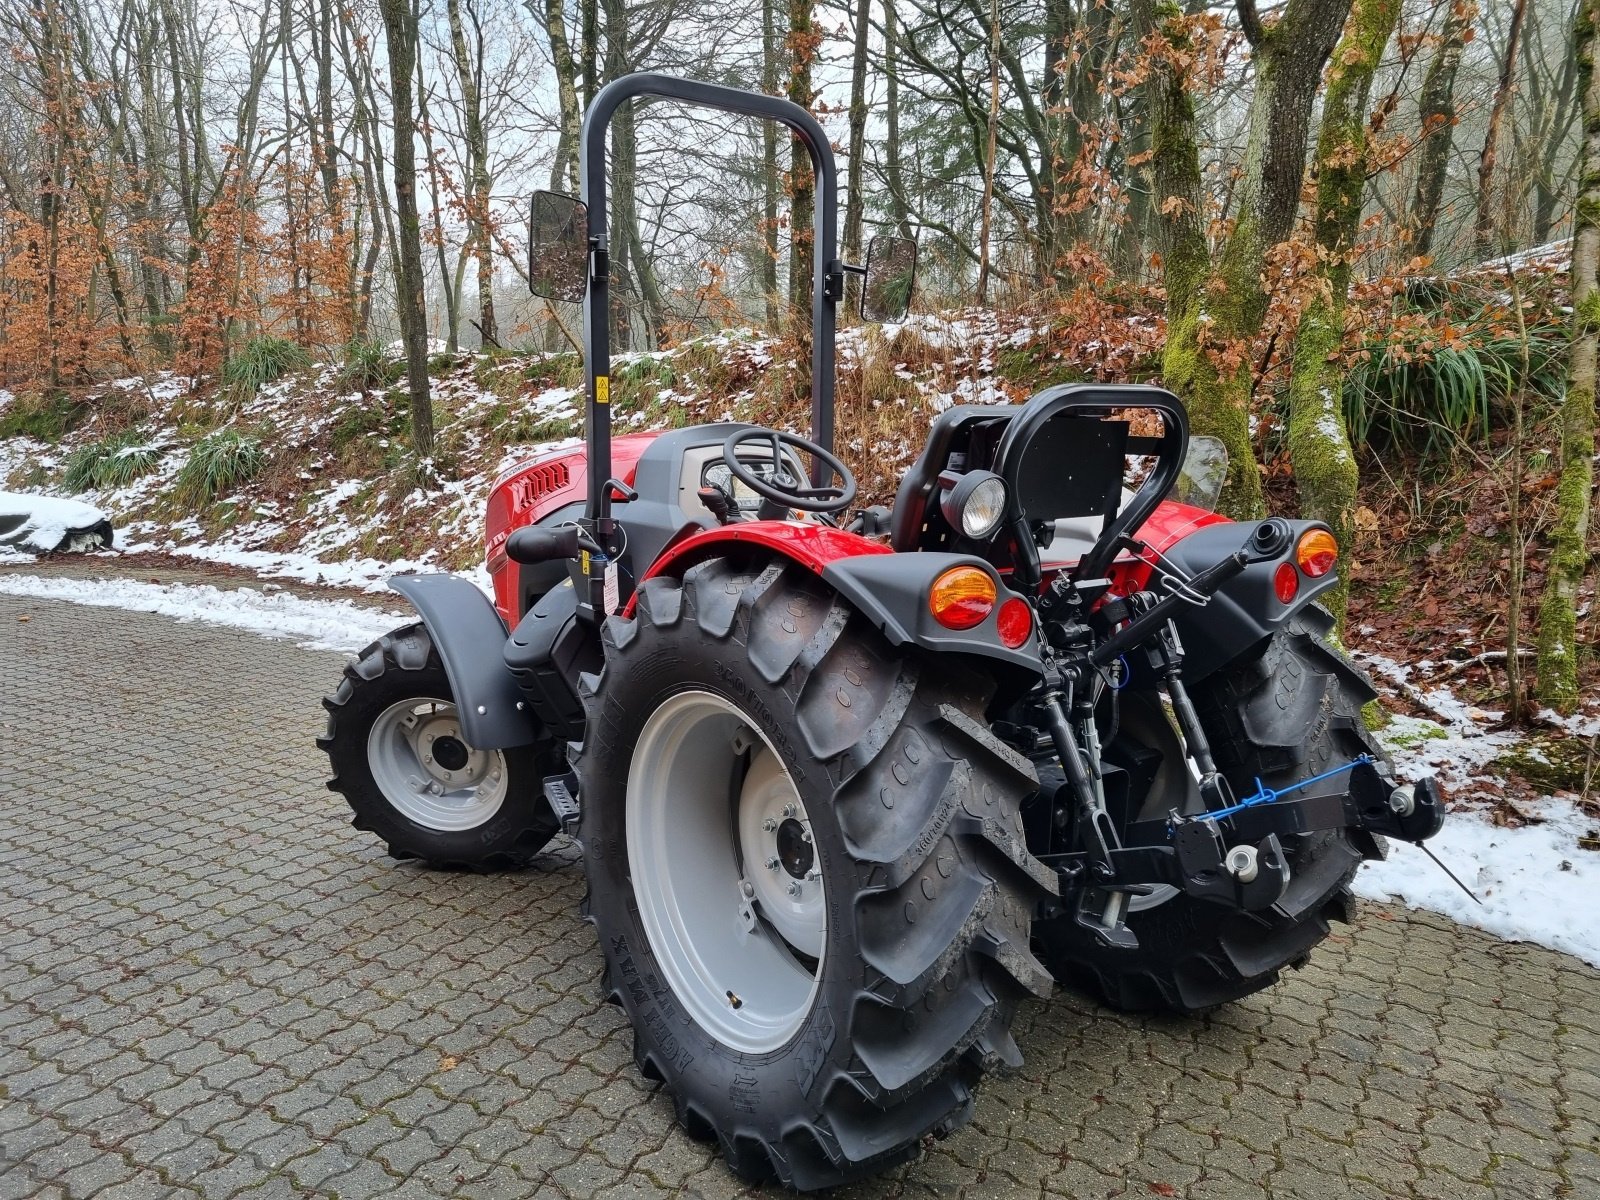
(891, 592)
(470, 638)
(1245, 611)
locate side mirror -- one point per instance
(558, 247)
(891, 274)
(1204, 470)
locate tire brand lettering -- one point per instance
(757, 707)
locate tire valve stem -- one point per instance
(735, 1001)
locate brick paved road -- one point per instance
(210, 984)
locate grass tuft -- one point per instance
(112, 462)
(219, 462)
(262, 360)
(367, 366)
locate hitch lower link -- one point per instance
(1246, 869)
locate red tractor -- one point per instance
(850, 786)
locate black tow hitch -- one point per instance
(1231, 855)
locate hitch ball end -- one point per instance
(1241, 863)
(1403, 801)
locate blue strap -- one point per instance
(1266, 795)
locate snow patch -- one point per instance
(1535, 884)
(271, 612)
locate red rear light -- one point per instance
(962, 597)
(1286, 582)
(1015, 622)
(1316, 552)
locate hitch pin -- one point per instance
(1424, 848)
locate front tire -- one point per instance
(395, 746)
(1290, 712)
(821, 1021)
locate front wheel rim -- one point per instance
(725, 871)
(426, 770)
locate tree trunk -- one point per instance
(1319, 443)
(1483, 225)
(768, 274)
(802, 46)
(469, 75)
(986, 217)
(855, 203)
(1436, 114)
(893, 176)
(1569, 558)
(1289, 57)
(400, 30)
(564, 171)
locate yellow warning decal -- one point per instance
(602, 389)
(584, 556)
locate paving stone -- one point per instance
(210, 986)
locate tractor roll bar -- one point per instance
(827, 286)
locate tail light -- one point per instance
(961, 597)
(1286, 582)
(1015, 622)
(1316, 552)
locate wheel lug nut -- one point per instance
(805, 836)
(772, 864)
(788, 810)
(794, 889)
(769, 824)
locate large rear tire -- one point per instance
(1284, 715)
(395, 746)
(750, 729)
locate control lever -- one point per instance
(717, 500)
(534, 544)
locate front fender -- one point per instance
(471, 640)
(1245, 611)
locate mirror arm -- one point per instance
(853, 269)
(833, 281)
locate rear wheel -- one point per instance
(806, 870)
(1291, 712)
(398, 755)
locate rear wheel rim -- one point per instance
(426, 770)
(725, 872)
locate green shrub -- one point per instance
(219, 462)
(367, 366)
(1422, 396)
(112, 462)
(46, 416)
(262, 360)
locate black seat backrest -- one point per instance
(917, 523)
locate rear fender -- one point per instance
(1245, 611)
(890, 590)
(471, 640)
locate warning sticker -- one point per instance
(602, 389)
(613, 588)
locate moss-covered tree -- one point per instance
(1319, 443)
(1207, 359)
(1558, 617)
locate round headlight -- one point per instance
(975, 503)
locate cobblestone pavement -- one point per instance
(210, 984)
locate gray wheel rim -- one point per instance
(729, 887)
(425, 769)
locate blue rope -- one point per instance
(1266, 795)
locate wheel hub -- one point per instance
(424, 768)
(794, 848)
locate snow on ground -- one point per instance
(269, 611)
(1535, 883)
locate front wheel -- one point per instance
(806, 871)
(1290, 712)
(398, 757)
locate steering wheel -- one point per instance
(783, 488)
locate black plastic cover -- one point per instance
(469, 635)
